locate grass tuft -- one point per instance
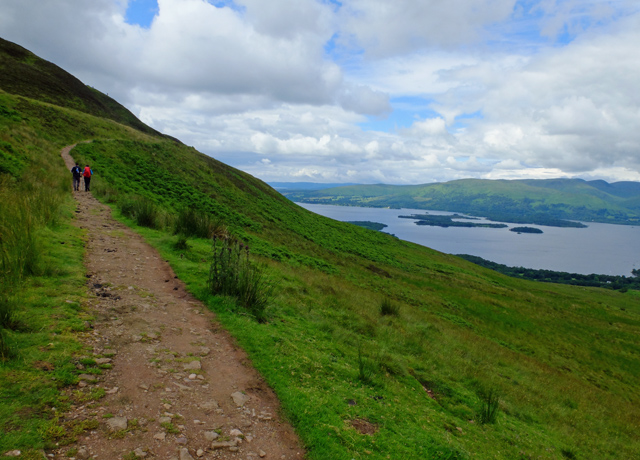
(142, 210)
(190, 222)
(489, 406)
(388, 308)
(233, 274)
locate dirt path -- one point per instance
(177, 387)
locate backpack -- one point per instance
(76, 171)
(87, 172)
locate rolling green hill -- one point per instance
(362, 327)
(542, 202)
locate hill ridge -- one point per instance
(536, 201)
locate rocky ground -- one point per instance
(175, 386)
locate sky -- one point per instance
(364, 91)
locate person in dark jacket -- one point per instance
(77, 174)
(87, 178)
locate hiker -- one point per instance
(77, 173)
(87, 177)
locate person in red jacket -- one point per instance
(87, 177)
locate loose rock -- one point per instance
(240, 398)
(193, 365)
(185, 455)
(210, 405)
(211, 435)
(117, 423)
(223, 444)
(82, 454)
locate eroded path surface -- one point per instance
(176, 386)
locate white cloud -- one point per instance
(384, 28)
(283, 89)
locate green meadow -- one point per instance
(378, 348)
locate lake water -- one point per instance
(600, 248)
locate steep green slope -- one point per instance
(523, 201)
(25, 74)
(563, 360)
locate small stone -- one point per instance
(143, 386)
(185, 455)
(199, 453)
(204, 351)
(103, 360)
(224, 444)
(193, 365)
(82, 454)
(211, 436)
(160, 436)
(117, 423)
(88, 377)
(209, 405)
(167, 406)
(112, 391)
(140, 452)
(193, 376)
(235, 432)
(13, 453)
(262, 454)
(164, 420)
(240, 398)
(181, 440)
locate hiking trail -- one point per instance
(177, 388)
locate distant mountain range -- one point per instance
(543, 202)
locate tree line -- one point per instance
(616, 282)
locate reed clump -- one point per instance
(192, 223)
(142, 210)
(232, 273)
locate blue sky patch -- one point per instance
(141, 12)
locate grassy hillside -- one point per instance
(520, 201)
(378, 348)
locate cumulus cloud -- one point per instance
(573, 108)
(366, 90)
(194, 47)
(384, 28)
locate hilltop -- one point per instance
(543, 201)
(377, 348)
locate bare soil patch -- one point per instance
(363, 426)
